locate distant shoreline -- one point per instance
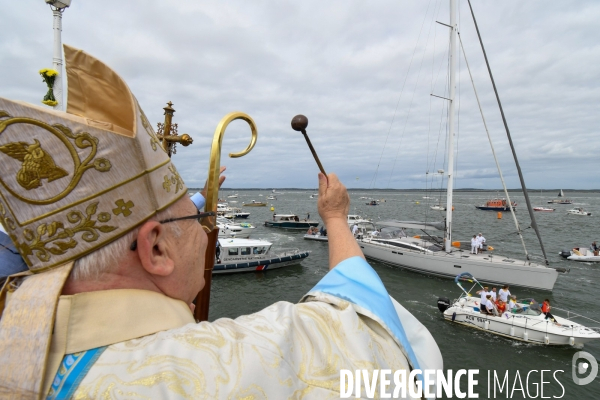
(546, 192)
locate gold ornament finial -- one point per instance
(167, 132)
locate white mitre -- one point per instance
(70, 183)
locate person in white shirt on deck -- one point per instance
(493, 294)
(474, 244)
(480, 241)
(504, 293)
(489, 305)
(484, 292)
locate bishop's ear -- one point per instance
(154, 250)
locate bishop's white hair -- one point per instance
(106, 258)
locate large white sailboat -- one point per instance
(433, 255)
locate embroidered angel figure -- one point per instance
(37, 164)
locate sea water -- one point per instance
(462, 348)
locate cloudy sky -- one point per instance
(361, 71)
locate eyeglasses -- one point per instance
(202, 218)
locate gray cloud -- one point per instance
(344, 65)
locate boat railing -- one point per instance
(571, 316)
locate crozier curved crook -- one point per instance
(212, 193)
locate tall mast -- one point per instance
(448, 236)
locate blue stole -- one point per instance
(72, 370)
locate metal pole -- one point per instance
(448, 238)
(57, 61)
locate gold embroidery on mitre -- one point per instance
(37, 164)
(174, 179)
(8, 222)
(123, 207)
(154, 141)
(53, 238)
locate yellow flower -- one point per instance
(51, 72)
(50, 103)
(43, 70)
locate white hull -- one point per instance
(488, 269)
(317, 237)
(583, 255)
(526, 328)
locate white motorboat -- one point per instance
(223, 208)
(356, 219)
(543, 209)
(271, 198)
(316, 236)
(438, 255)
(232, 196)
(583, 254)
(247, 255)
(525, 322)
(578, 211)
(438, 207)
(228, 229)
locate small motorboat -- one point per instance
(438, 207)
(247, 255)
(237, 213)
(271, 198)
(232, 196)
(316, 236)
(544, 209)
(255, 203)
(290, 221)
(373, 203)
(228, 229)
(525, 323)
(580, 254)
(578, 211)
(223, 208)
(497, 205)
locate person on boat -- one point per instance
(483, 292)
(500, 306)
(109, 304)
(480, 242)
(474, 245)
(307, 216)
(493, 294)
(504, 293)
(310, 231)
(354, 229)
(489, 306)
(594, 248)
(512, 303)
(546, 311)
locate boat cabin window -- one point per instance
(258, 250)
(232, 251)
(245, 251)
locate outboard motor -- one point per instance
(443, 303)
(565, 253)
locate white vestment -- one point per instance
(156, 350)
